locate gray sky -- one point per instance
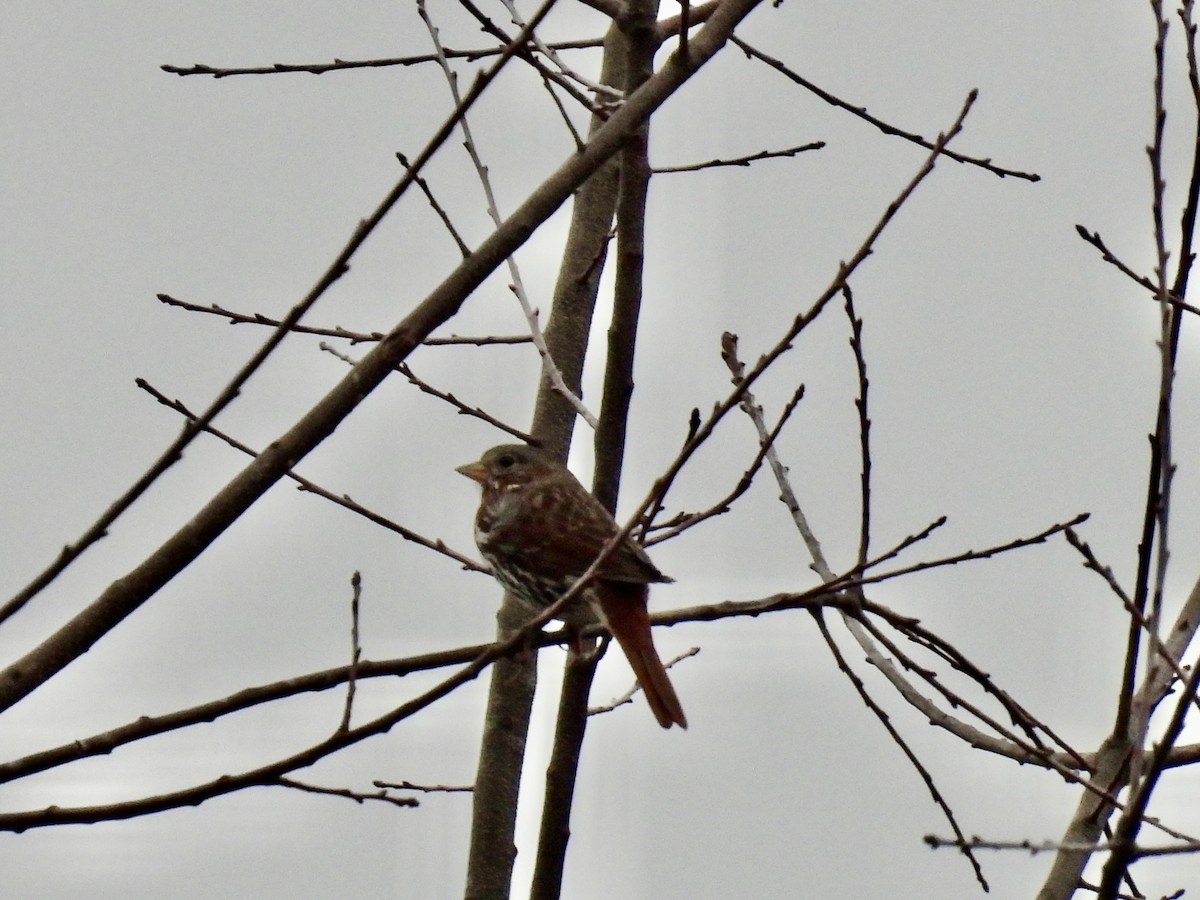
(1013, 378)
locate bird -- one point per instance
(540, 529)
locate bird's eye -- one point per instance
(506, 461)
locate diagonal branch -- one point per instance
(342, 500)
(883, 126)
(741, 161)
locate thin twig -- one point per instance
(463, 409)
(342, 64)
(864, 427)
(311, 487)
(885, 720)
(598, 88)
(1105, 572)
(971, 555)
(742, 161)
(862, 113)
(425, 788)
(354, 337)
(633, 691)
(729, 353)
(355, 652)
(1033, 848)
(356, 796)
(528, 55)
(1093, 238)
(423, 184)
(665, 531)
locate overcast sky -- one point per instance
(1013, 380)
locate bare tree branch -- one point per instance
(742, 161)
(343, 500)
(862, 113)
(342, 64)
(354, 337)
(356, 796)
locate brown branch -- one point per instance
(971, 555)
(273, 772)
(885, 720)
(356, 796)
(861, 112)
(463, 409)
(341, 64)
(311, 487)
(864, 427)
(685, 24)
(355, 652)
(425, 788)
(354, 337)
(1033, 848)
(743, 161)
(151, 726)
(558, 792)
(1105, 572)
(510, 695)
(438, 209)
(636, 688)
(513, 681)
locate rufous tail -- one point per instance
(623, 611)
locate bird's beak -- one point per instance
(475, 471)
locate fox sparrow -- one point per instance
(540, 529)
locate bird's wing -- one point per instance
(590, 530)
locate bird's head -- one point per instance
(509, 466)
